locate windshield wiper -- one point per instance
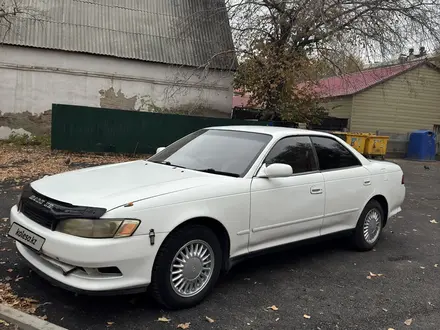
(214, 171)
(167, 163)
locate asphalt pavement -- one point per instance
(323, 285)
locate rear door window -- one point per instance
(332, 154)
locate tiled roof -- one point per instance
(182, 32)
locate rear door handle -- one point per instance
(367, 182)
(316, 191)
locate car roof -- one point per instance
(271, 130)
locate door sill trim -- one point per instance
(284, 224)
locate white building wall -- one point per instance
(33, 79)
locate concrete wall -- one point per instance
(403, 104)
(32, 79)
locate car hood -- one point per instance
(111, 186)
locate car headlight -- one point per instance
(98, 228)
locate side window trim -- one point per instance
(315, 153)
(333, 169)
(289, 137)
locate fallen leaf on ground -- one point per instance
(10, 270)
(433, 221)
(7, 297)
(5, 219)
(274, 308)
(35, 162)
(184, 325)
(110, 323)
(44, 317)
(408, 322)
(307, 316)
(422, 267)
(391, 329)
(163, 319)
(373, 275)
(277, 319)
(4, 322)
(207, 318)
(385, 310)
(436, 265)
(18, 279)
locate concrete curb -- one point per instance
(25, 321)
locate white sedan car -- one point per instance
(174, 222)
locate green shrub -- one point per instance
(29, 140)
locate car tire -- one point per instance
(369, 226)
(191, 244)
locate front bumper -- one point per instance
(74, 263)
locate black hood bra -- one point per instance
(48, 212)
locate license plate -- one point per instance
(26, 237)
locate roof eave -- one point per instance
(421, 63)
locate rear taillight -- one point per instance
(403, 179)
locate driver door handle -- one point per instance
(316, 190)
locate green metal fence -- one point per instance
(78, 128)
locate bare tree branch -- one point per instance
(282, 43)
(13, 10)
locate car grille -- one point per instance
(48, 212)
(37, 214)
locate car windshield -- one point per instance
(215, 151)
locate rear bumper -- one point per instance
(80, 264)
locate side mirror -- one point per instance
(159, 149)
(276, 170)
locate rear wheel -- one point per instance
(187, 267)
(369, 227)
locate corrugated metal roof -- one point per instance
(182, 32)
(354, 83)
(348, 84)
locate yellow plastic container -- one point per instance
(376, 145)
(341, 135)
(358, 140)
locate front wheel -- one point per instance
(187, 267)
(369, 227)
